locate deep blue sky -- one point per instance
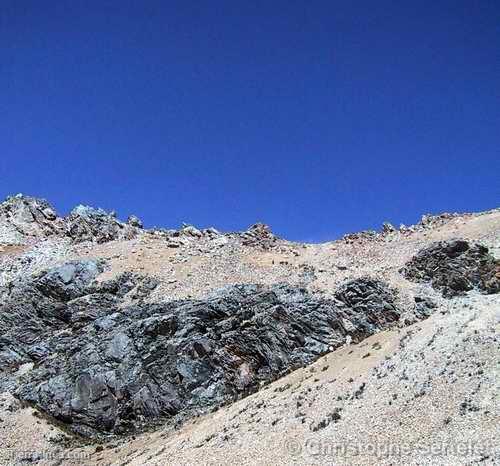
(317, 117)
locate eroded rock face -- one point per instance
(103, 367)
(455, 267)
(27, 216)
(89, 224)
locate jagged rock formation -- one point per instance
(25, 216)
(455, 267)
(259, 235)
(135, 221)
(388, 228)
(105, 367)
(89, 224)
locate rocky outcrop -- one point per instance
(135, 221)
(455, 267)
(89, 224)
(360, 237)
(429, 221)
(259, 235)
(103, 366)
(24, 216)
(388, 228)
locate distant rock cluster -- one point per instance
(89, 224)
(183, 236)
(388, 230)
(23, 217)
(455, 267)
(259, 235)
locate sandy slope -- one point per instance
(434, 383)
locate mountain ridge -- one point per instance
(235, 309)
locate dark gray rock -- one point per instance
(70, 280)
(105, 367)
(424, 306)
(455, 267)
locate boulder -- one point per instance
(189, 230)
(69, 281)
(455, 267)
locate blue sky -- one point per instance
(318, 118)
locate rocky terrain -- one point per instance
(125, 345)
